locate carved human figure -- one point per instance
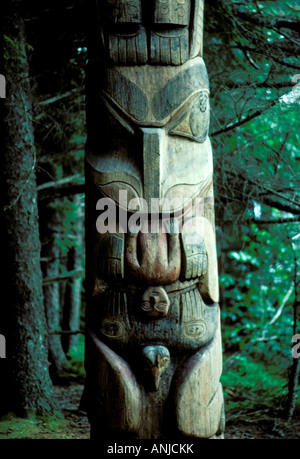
(153, 345)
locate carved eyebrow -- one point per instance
(117, 114)
(176, 91)
(127, 94)
(133, 101)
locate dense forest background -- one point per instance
(251, 49)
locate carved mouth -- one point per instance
(153, 258)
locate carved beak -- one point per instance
(155, 371)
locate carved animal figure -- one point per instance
(153, 345)
(157, 360)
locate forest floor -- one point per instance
(255, 425)
(73, 424)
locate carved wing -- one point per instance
(200, 257)
(198, 393)
(118, 395)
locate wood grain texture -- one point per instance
(119, 399)
(153, 352)
(166, 32)
(198, 393)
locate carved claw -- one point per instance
(157, 359)
(99, 287)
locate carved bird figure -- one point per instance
(157, 360)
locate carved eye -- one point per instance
(195, 125)
(164, 362)
(123, 11)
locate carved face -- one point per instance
(157, 360)
(151, 293)
(154, 134)
(148, 136)
(166, 32)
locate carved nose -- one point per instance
(153, 258)
(153, 140)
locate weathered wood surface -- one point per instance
(166, 32)
(153, 348)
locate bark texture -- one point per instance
(72, 304)
(51, 254)
(28, 384)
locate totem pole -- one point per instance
(153, 344)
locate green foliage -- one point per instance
(255, 129)
(14, 51)
(252, 390)
(70, 213)
(74, 371)
(77, 352)
(36, 427)
(249, 387)
(259, 278)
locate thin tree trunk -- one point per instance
(295, 368)
(294, 371)
(51, 252)
(293, 385)
(72, 306)
(27, 381)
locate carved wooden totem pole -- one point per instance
(153, 344)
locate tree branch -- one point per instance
(47, 158)
(278, 221)
(65, 187)
(284, 302)
(259, 20)
(275, 59)
(66, 332)
(275, 203)
(245, 120)
(266, 194)
(63, 277)
(260, 84)
(53, 99)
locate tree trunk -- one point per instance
(51, 252)
(72, 304)
(293, 386)
(28, 384)
(295, 368)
